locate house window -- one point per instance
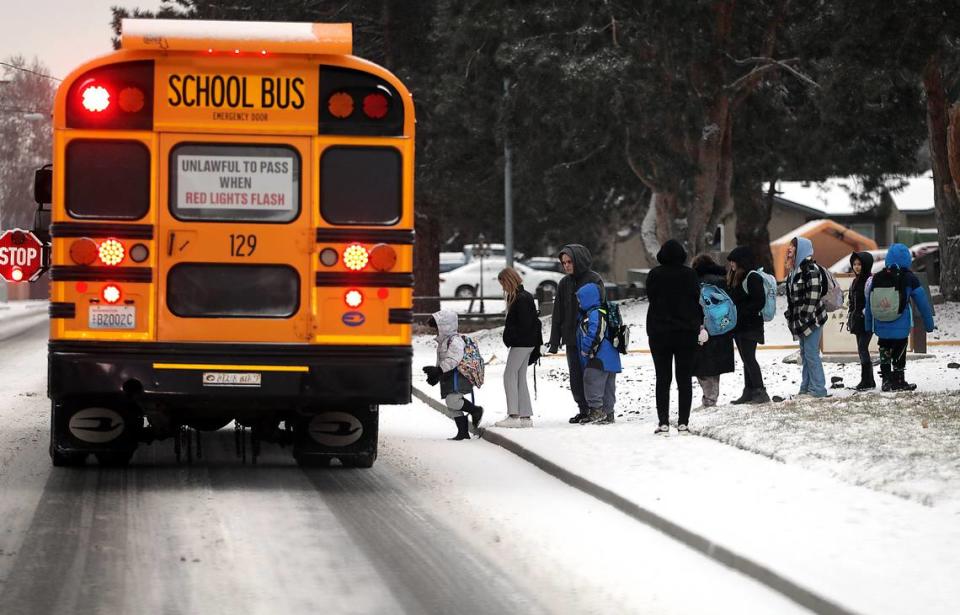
(867, 229)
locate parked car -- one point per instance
(465, 281)
(544, 263)
(452, 260)
(843, 265)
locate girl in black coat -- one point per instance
(861, 263)
(522, 334)
(715, 357)
(748, 295)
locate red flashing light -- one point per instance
(95, 98)
(17, 274)
(375, 106)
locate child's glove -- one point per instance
(703, 337)
(433, 374)
(595, 363)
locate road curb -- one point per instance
(767, 576)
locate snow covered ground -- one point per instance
(856, 496)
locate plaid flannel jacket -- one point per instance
(805, 309)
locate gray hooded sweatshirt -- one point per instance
(565, 315)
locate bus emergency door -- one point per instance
(235, 239)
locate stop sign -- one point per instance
(21, 256)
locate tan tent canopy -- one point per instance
(831, 241)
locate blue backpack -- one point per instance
(719, 312)
(769, 293)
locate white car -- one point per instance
(465, 281)
(843, 265)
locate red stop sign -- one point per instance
(21, 256)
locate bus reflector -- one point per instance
(375, 106)
(110, 293)
(84, 251)
(340, 105)
(355, 257)
(111, 252)
(353, 298)
(96, 98)
(383, 257)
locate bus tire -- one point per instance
(362, 460)
(312, 461)
(66, 460)
(114, 459)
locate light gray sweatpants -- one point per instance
(600, 387)
(515, 382)
(711, 389)
(454, 405)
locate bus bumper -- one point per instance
(192, 374)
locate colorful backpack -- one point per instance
(471, 365)
(614, 331)
(769, 292)
(719, 311)
(832, 293)
(888, 296)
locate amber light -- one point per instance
(84, 251)
(95, 98)
(130, 100)
(383, 257)
(110, 293)
(355, 257)
(340, 105)
(111, 252)
(353, 298)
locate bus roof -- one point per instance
(237, 36)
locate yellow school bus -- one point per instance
(232, 240)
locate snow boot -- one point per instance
(579, 417)
(746, 397)
(759, 397)
(900, 383)
(866, 379)
(475, 412)
(463, 433)
(595, 415)
(886, 377)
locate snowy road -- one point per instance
(434, 527)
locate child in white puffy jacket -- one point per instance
(453, 384)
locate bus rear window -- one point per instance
(198, 290)
(108, 179)
(234, 183)
(361, 185)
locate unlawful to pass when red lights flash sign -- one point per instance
(236, 182)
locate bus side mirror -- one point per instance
(41, 224)
(43, 185)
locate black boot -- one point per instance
(463, 433)
(886, 377)
(759, 396)
(866, 379)
(579, 417)
(475, 412)
(900, 383)
(746, 397)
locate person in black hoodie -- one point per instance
(861, 263)
(748, 295)
(576, 261)
(673, 326)
(714, 357)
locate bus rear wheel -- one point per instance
(114, 459)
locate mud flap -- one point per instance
(349, 434)
(81, 426)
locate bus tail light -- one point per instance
(84, 251)
(355, 257)
(111, 252)
(139, 253)
(353, 298)
(340, 105)
(376, 105)
(115, 96)
(111, 293)
(383, 257)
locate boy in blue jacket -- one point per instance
(887, 313)
(598, 358)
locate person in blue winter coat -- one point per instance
(887, 313)
(598, 358)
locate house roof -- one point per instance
(832, 197)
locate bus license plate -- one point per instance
(113, 317)
(231, 379)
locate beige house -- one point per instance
(796, 204)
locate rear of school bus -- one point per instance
(231, 241)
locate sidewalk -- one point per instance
(830, 545)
